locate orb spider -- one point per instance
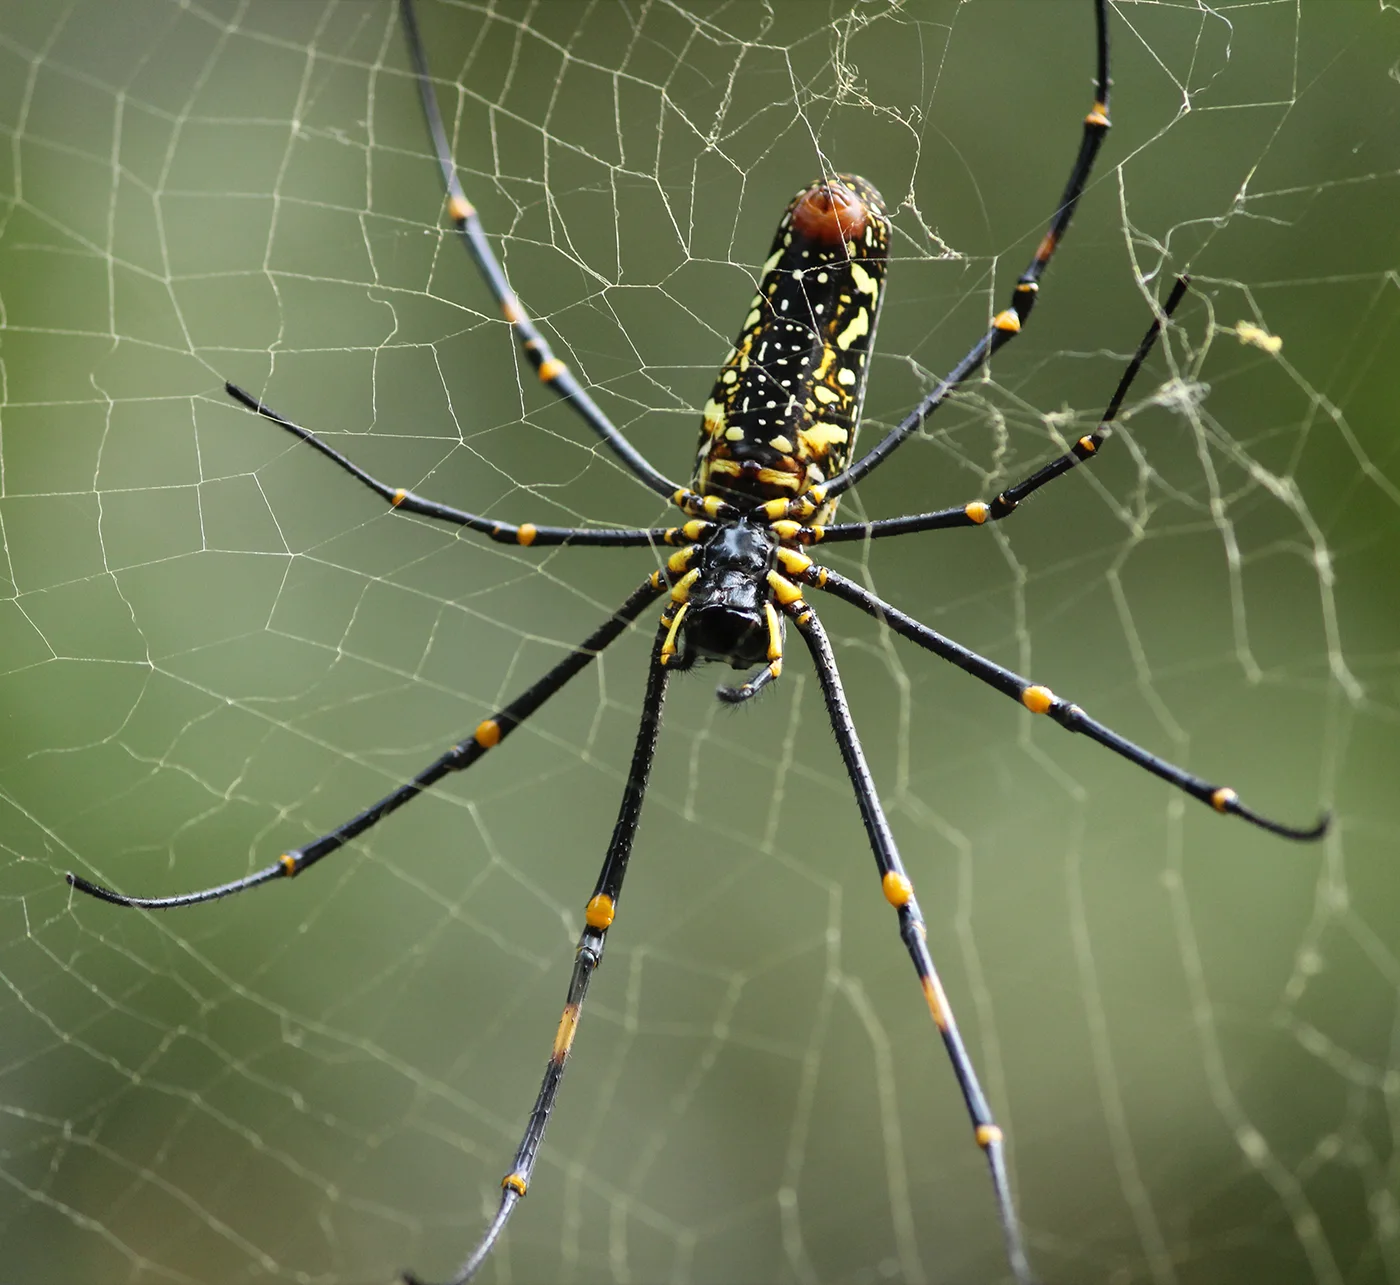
(774, 458)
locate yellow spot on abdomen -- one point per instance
(514, 1182)
(551, 370)
(459, 208)
(818, 439)
(525, 534)
(860, 325)
(987, 1134)
(1007, 321)
(1223, 798)
(864, 282)
(399, 497)
(978, 511)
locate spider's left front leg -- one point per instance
(899, 892)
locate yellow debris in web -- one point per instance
(1248, 333)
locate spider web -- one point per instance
(215, 646)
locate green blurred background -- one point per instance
(215, 646)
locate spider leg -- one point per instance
(551, 370)
(1006, 324)
(978, 512)
(1041, 700)
(598, 917)
(525, 533)
(899, 892)
(460, 757)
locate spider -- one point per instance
(775, 456)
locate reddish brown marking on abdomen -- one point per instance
(829, 214)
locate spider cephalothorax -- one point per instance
(724, 608)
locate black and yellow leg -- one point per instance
(899, 892)
(488, 734)
(712, 507)
(405, 501)
(1006, 324)
(1041, 700)
(552, 372)
(671, 622)
(979, 512)
(598, 918)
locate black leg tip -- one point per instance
(240, 395)
(1303, 834)
(1308, 834)
(1323, 824)
(93, 889)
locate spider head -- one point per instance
(726, 620)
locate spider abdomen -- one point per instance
(785, 408)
